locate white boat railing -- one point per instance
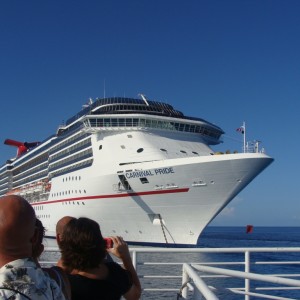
(194, 273)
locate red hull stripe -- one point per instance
(184, 190)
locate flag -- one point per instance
(241, 129)
(249, 228)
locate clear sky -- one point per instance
(226, 61)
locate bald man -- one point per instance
(59, 234)
(60, 227)
(20, 277)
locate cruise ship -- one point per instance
(140, 168)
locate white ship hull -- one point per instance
(175, 213)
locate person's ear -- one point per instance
(58, 237)
(34, 238)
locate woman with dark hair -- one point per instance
(83, 252)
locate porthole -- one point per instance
(139, 150)
(100, 147)
(182, 151)
(164, 150)
(195, 153)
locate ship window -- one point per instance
(195, 153)
(182, 151)
(123, 147)
(129, 136)
(114, 122)
(164, 150)
(128, 122)
(100, 147)
(139, 150)
(144, 180)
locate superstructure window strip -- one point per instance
(67, 142)
(150, 123)
(72, 168)
(30, 164)
(71, 159)
(38, 168)
(71, 150)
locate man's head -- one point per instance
(60, 227)
(17, 227)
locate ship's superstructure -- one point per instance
(142, 169)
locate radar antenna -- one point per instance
(144, 98)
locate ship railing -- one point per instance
(253, 147)
(198, 273)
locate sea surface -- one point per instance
(222, 237)
(228, 237)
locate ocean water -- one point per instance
(226, 237)
(220, 237)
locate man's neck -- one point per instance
(5, 258)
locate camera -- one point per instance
(109, 243)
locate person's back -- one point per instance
(20, 276)
(115, 283)
(83, 252)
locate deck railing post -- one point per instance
(133, 257)
(247, 270)
(185, 278)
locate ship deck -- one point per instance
(198, 273)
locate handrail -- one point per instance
(195, 275)
(199, 283)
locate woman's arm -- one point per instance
(120, 249)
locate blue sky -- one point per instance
(226, 61)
